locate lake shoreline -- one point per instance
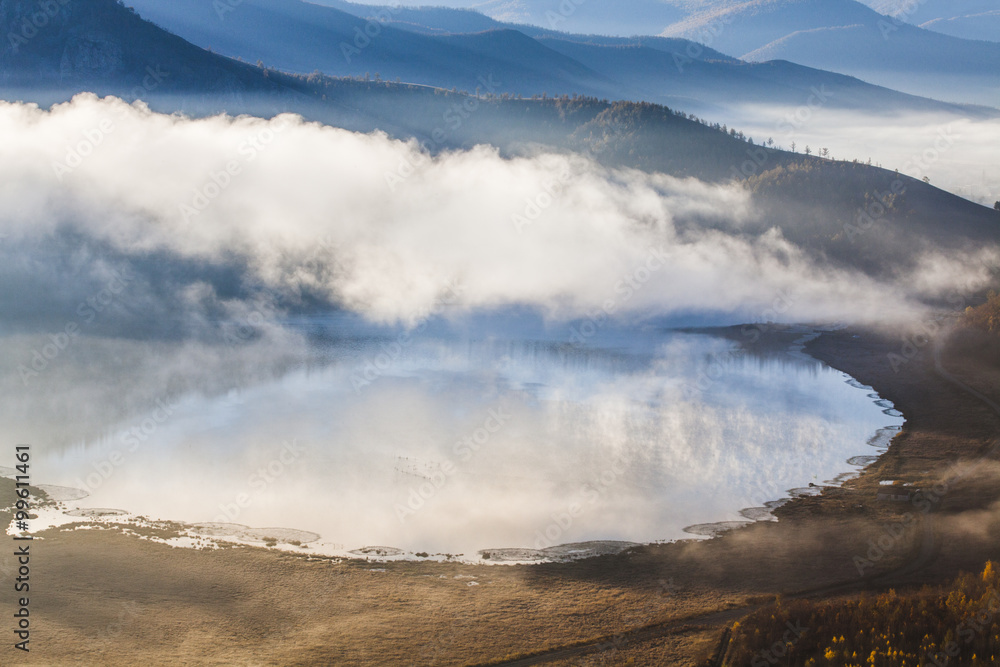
(113, 598)
(769, 346)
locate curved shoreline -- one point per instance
(206, 535)
(880, 440)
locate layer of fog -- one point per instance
(957, 154)
(211, 216)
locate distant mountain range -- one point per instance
(968, 19)
(302, 37)
(435, 47)
(940, 59)
(598, 17)
(845, 36)
(99, 45)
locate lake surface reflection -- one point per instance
(453, 440)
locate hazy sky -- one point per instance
(957, 154)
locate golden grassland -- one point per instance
(985, 317)
(100, 597)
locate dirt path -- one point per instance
(631, 637)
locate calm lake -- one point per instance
(455, 438)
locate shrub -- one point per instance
(888, 630)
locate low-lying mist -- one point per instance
(227, 218)
(956, 153)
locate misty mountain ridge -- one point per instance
(298, 37)
(101, 46)
(967, 19)
(625, 17)
(842, 36)
(814, 202)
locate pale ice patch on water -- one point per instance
(240, 533)
(62, 493)
(96, 513)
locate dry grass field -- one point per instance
(99, 597)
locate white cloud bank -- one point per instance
(308, 206)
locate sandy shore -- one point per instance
(102, 597)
